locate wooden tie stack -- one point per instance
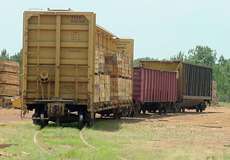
(9, 80)
(215, 99)
(113, 68)
(118, 67)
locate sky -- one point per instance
(160, 28)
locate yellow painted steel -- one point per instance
(62, 46)
(161, 65)
(17, 102)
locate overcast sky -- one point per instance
(161, 28)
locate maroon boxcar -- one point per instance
(154, 89)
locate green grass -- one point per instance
(224, 104)
(113, 139)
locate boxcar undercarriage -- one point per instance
(68, 111)
(172, 107)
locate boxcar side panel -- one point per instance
(154, 86)
(137, 88)
(197, 82)
(194, 81)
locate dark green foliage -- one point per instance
(136, 61)
(199, 55)
(17, 57)
(221, 72)
(179, 57)
(202, 55)
(6, 56)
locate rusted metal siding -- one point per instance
(193, 81)
(197, 82)
(154, 86)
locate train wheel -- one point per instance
(174, 110)
(81, 123)
(136, 109)
(160, 111)
(132, 113)
(36, 122)
(89, 120)
(117, 114)
(44, 123)
(58, 122)
(39, 122)
(183, 109)
(165, 110)
(177, 108)
(126, 112)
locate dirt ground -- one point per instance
(187, 135)
(213, 117)
(215, 120)
(12, 115)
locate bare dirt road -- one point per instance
(12, 115)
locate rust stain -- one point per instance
(5, 145)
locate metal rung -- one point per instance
(59, 10)
(40, 118)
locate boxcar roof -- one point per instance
(165, 61)
(68, 12)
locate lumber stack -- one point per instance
(102, 88)
(99, 61)
(9, 79)
(113, 69)
(215, 99)
(118, 65)
(121, 89)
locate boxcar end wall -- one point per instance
(64, 57)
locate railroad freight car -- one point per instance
(154, 89)
(194, 83)
(66, 58)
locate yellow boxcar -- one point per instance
(63, 53)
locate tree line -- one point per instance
(203, 55)
(5, 55)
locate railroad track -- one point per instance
(84, 141)
(36, 142)
(91, 146)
